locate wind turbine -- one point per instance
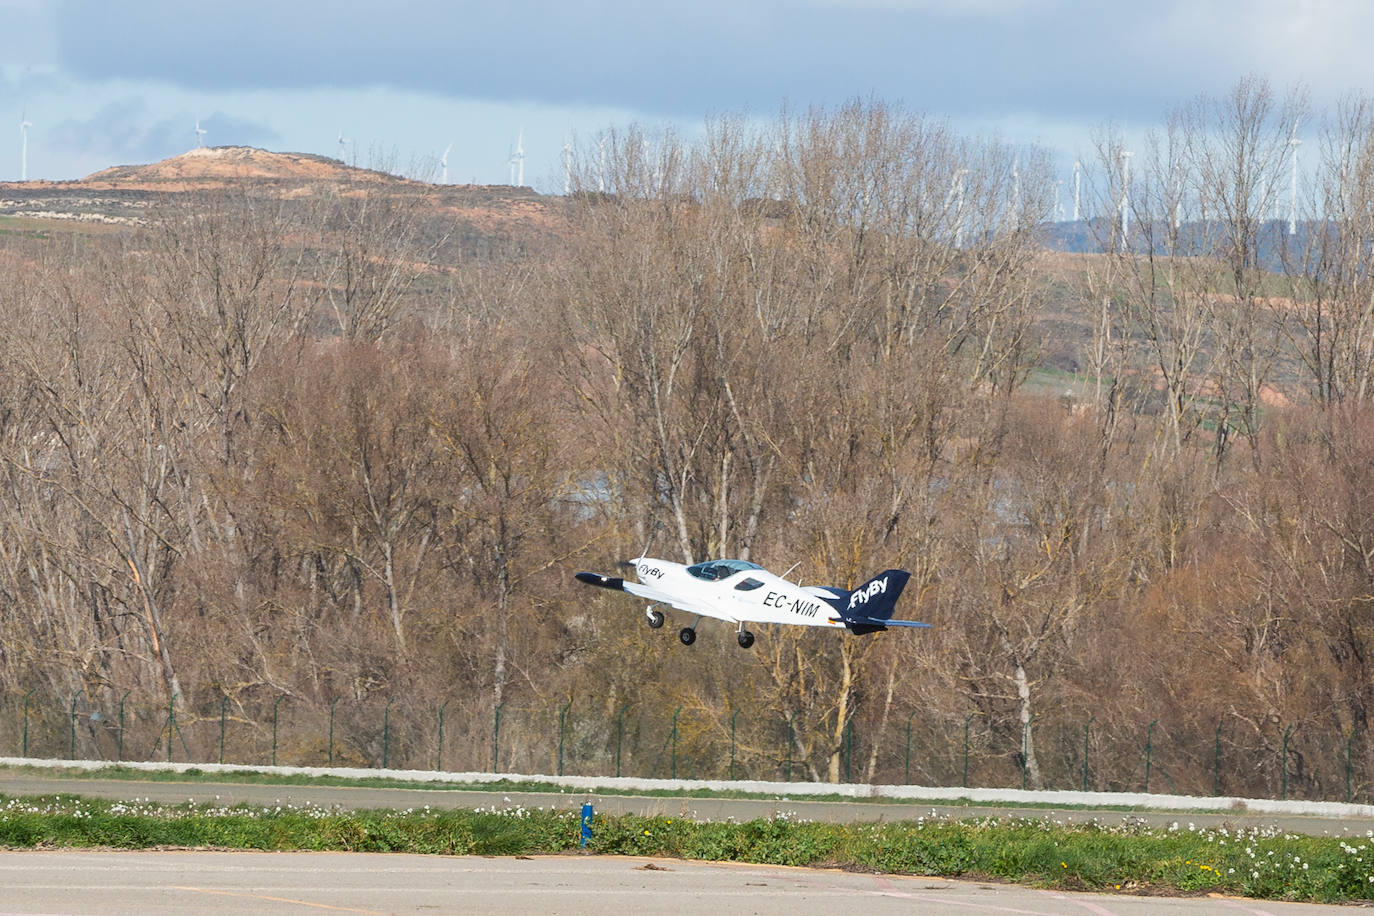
(517, 161)
(1293, 144)
(1016, 189)
(601, 165)
(200, 135)
(654, 165)
(1177, 201)
(443, 165)
(24, 125)
(956, 196)
(567, 167)
(1077, 176)
(1125, 195)
(343, 147)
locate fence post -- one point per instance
(439, 762)
(223, 702)
(733, 717)
(1350, 739)
(171, 723)
(906, 766)
(619, 734)
(120, 755)
(275, 703)
(1086, 726)
(1283, 765)
(562, 717)
(1025, 749)
(1149, 736)
(1216, 760)
(386, 733)
(674, 759)
(332, 704)
(790, 737)
(25, 752)
(848, 751)
(71, 750)
(966, 725)
(496, 737)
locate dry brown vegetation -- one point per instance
(322, 447)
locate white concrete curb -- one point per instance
(788, 790)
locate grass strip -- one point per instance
(1253, 862)
(252, 777)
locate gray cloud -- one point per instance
(1066, 59)
(678, 60)
(125, 132)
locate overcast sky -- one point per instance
(121, 83)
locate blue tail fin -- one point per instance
(868, 607)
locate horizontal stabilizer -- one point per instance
(877, 622)
(611, 582)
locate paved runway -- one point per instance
(713, 809)
(152, 883)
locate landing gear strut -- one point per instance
(655, 617)
(687, 635)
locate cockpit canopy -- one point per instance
(715, 570)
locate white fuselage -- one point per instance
(747, 595)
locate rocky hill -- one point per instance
(123, 195)
(218, 165)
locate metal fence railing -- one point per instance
(593, 738)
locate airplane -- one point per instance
(740, 592)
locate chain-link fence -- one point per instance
(592, 738)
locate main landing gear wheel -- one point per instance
(655, 618)
(687, 635)
(746, 639)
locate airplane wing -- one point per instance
(648, 592)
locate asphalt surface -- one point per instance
(703, 809)
(150, 883)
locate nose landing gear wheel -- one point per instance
(655, 618)
(746, 639)
(687, 635)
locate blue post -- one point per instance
(586, 823)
